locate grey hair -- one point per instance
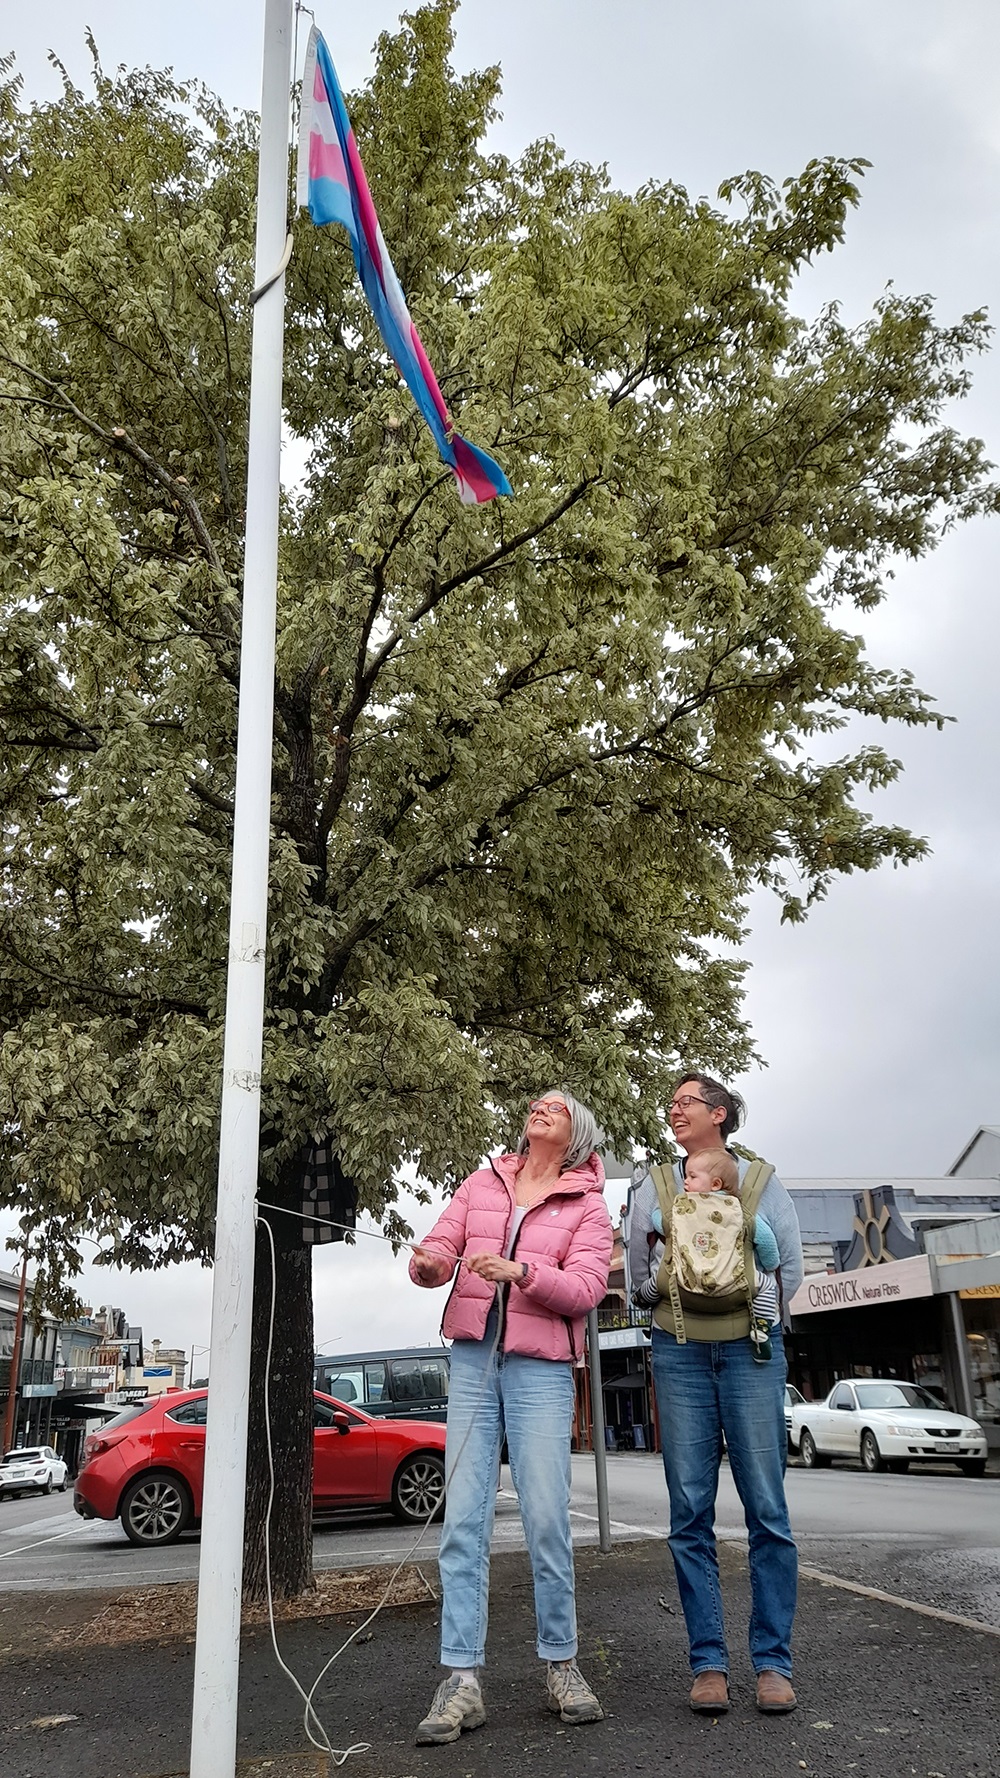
(585, 1134)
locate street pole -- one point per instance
(220, 1571)
(600, 1443)
(10, 1417)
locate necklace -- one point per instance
(528, 1193)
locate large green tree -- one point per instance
(530, 759)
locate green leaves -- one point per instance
(530, 759)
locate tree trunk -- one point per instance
(291, 1411)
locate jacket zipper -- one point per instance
(505, 1289)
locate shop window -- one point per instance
(928, 1369)
(984, 1364)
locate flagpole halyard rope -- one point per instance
(262, 289)
(349, 1227)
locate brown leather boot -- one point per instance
(774, 1694)
(710, 1694)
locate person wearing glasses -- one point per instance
(527, 1241)
(707, 1388)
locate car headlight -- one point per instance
(899, 1431)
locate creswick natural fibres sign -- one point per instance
(891, 1283)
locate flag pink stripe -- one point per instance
(431, 379)
(471, 470)
(326, 160)
(319, 87)
(369, 220)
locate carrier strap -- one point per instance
(751, 1191)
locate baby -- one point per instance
(715, 1170)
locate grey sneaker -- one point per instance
(458, 1704)
(570, 1695)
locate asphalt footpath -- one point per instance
(884, 1691)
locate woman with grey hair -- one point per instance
(527, 1239)
(584, 1135)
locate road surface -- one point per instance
(934, 1538)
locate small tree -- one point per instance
(530, 759)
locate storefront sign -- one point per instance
(894, 1282)
(88, 1379)
(981, 1289)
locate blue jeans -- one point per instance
(705, 1389)
(532, 1399)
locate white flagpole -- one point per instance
(220, 1573)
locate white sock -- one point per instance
(466, 1674)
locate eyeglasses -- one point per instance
(549, 1105)
(684, 1101)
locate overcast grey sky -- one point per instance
(878, 1018)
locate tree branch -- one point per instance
(103, 991)
(117, 439)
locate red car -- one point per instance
(147, 1465)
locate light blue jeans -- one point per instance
(702, 1390)
(532, 1400)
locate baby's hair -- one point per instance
(724, 1166)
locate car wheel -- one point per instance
(812, 1458)
(47, 1489)
(62, 1487)
(871, 1457)
(155, 1510)
(418, 1490)
(973, 1466)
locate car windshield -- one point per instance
(30, 1456)
(895, 1395)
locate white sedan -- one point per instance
(793, 1398)
(35, 1467)
(888, 1425)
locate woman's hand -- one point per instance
(495, 1269)
(430, 1268)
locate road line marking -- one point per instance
(33, 1525)
(640, 1531)
(935, 1611)
(74, 1531)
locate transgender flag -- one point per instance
(333, 186)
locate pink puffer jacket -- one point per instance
(565, 1239)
